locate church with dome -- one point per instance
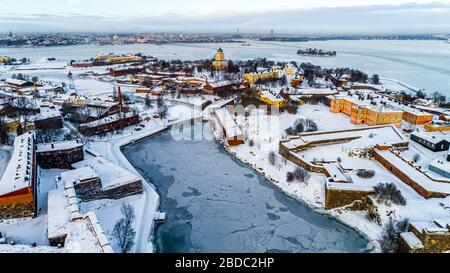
(219, 63)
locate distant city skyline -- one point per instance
(287, 16)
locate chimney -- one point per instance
(119, 94)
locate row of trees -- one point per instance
(436, 96)
(23, 77)
(316, 52)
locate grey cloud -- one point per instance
(433, 17)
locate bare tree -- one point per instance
(162, 108)
(272, 158)
(148, 101)
(290, 177)
(302, 125)
(4, 138)
(364, 173)
(123, 230)
(388, 193)
(301, 174)
(390, 238)
(49, 135)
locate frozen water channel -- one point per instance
(214, 203)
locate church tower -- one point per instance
(219, 62)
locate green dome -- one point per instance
(220, 50)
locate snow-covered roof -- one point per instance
(16, 82)
(80, 232)
(378, 102)
(111, 175)
(335, 173)
(78, 176)
(228, 122)
(429, 227)
(18, 173)
(47, 113)
(441, 164)
(108, 119)
(20, 249)
(271, 95)
(412, 240)
(383, 108)
(443, 222)
(440, 123)
(372, 136)
(417, 176)
(315, 91)
(58, 214)
(58, 146)
(432, 138)
(220, 83)
(362, 187)
(126, 68)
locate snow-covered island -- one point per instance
(345, 144)
(316, 52)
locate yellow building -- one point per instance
(78, 100)
(366, 114)
(13, 124)
(342, 105)
(376, 116)
(437, 126)
(219, 62)
(290, 70)
(271, 98)
(4, 59)
(193, 81)
(417, 117)
(123, 59)
(117, 59)
(253, 78)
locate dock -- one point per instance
(160, 217)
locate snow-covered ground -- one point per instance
(109, 212)
(5, 155)
(26, 231)
(312, 192)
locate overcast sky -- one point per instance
(284, 16)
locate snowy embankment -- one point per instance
(400, 83)
(111, 149)
(150, 196)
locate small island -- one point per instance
(316, 52)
